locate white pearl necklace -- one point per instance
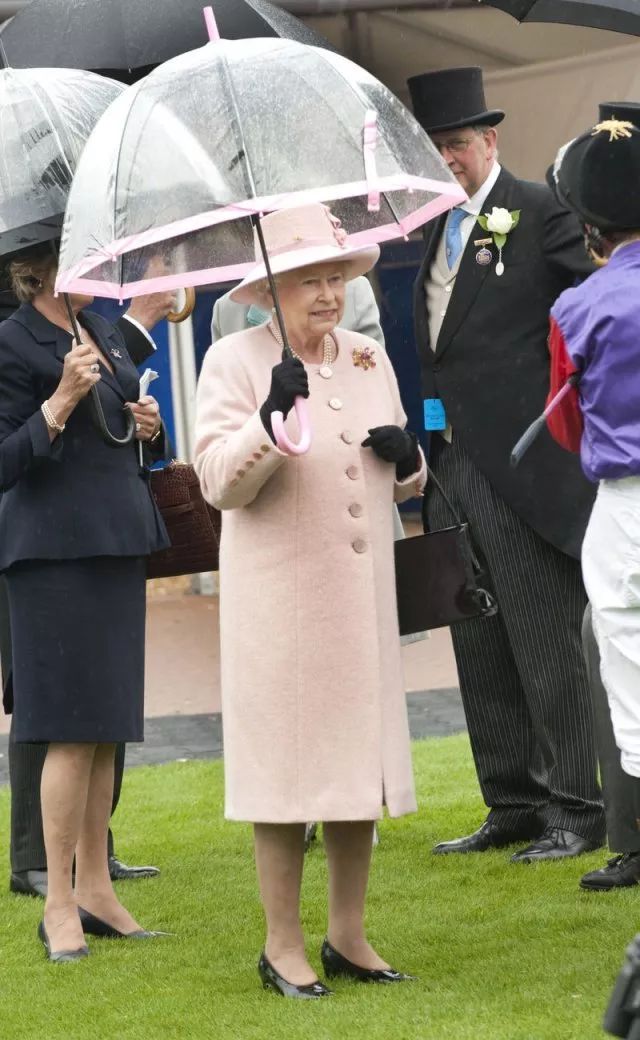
(328, 358)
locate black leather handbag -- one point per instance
(437, 577)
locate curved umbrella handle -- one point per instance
(280, 434)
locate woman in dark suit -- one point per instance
(77, 520)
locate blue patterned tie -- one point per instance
(453, 240)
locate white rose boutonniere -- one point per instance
(499, 222)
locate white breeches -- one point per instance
(611, 568)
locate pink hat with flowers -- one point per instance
(301, 237)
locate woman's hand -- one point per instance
(146, 413)
(288, 381)
(394, 445)
(80, 372)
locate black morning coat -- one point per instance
(491, 363)
(77, 496)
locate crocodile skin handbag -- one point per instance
(192, 524)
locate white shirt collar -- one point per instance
(477, 201)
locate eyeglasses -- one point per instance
(457, 145)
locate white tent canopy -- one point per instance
(548, 78)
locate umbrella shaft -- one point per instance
(273, 288)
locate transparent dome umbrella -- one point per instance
(175, 170)
(46, 116)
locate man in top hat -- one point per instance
(593, 182)
(482, 301)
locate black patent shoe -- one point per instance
(92, 925)
(60, 956)
(274, 981)
(335, 965)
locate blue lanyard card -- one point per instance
(434, 414)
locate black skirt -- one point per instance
(77, 639)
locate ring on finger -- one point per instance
(95, 367)
(138, 427)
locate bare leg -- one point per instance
(348, 848)
(94, 890)
(279, 852)
(63, 792)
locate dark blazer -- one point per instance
(76, 496)
(491, 363)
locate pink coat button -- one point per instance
(356, 509)
(352, 472)
(359, 545)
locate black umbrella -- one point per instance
(127, 38)
(621, 16)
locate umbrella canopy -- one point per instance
(46, 116)
(617, 15)
(173, 172)
(133, 36)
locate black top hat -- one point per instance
(450, 98)
(626, 111)
(599, 176)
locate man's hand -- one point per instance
(146, 412)
(151, 309)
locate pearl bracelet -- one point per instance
(50, 418)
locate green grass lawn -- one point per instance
(503, 952)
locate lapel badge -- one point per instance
(364, 357)
(484, 257)
(115, 353)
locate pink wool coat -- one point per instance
(313, 704)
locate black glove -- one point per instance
(288, 381)
(395, 445)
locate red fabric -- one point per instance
(565, 421)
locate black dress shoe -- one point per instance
(554, 843)
(92, 925)
(29, 883)
(121, 872)
(335, 966)
(622, 871)
(60, 956)
(271, 979)
(489, 836)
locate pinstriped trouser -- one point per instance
(522, 675)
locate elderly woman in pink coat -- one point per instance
(313, 706)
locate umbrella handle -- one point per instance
(280, 434)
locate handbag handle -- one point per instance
(433, 479)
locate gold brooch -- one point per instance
(364, 357)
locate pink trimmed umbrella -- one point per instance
(179, 169)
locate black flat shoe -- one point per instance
(488, 836)
(336, 965)
(60, 956)
(555, 843)
(623, 871)
(119, 871)
(92, 925)
(272, 980)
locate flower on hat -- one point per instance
(339, 232)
